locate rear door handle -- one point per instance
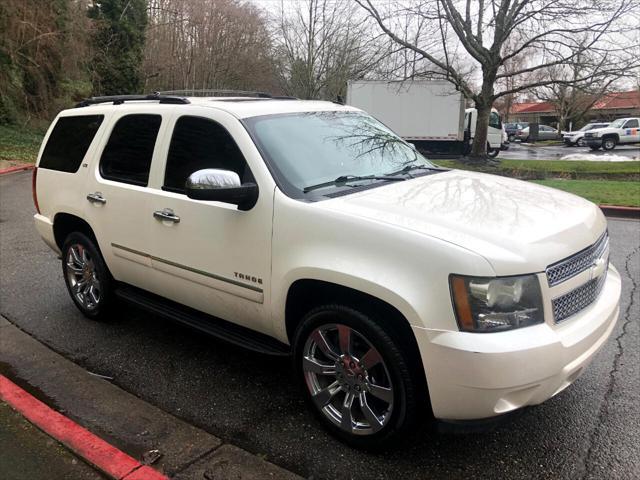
(166, 214)
(96, 198)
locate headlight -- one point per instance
(494, 304)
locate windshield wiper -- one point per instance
(415, 166)
(351, 178)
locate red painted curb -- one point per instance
(81, 441)
(16, 169)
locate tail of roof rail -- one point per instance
(120, 99)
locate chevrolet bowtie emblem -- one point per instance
(597, 268)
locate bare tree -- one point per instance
(471, 43)
(207, 44)
(321, 44)
(579, 92)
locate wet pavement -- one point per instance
(530, 151)
(26, 453)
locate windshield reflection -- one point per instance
(310, 148)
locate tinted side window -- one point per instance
(494, 120)
(69, 142)
(199, 143)
(631, 124)
(127, 156)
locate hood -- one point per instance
(519, 227)
(597, 130)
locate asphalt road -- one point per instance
(589, 431)
(519, 151)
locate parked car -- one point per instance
(544, 133)
(623, 131)
(309, 229)
(512, 129)
(577, 137)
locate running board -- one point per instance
(208, 324)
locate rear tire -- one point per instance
(580, 143)
(512, 138)
(87, 277)
(492, 152)
(609, 143)
(362, 389)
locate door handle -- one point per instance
(166, 214)
(96, 198)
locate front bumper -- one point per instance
(569, 141)
(476, 375)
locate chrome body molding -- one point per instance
(187, 268)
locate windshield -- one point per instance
(618, 123)
(310, 148)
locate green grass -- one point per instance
(600, 191)
(19, 144)
(543, 169)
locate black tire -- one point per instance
(580, 143)
(97, 274)
(609, 143)
(403, 380)
(512, 138)
(492, 152)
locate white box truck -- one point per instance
(429, 114)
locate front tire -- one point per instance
(87, 277)
(609, 143)
(356, 378)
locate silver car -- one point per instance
(577, 138)
(544, 133)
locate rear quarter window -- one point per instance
(69, 141)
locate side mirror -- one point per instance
(221, 186)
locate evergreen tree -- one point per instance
(118, 42)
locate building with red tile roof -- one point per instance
(611, 106)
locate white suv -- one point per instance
(308, 228)
(624, 131)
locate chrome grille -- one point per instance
(578, 298)
(575, 264)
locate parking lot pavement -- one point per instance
(28, 454)
(519, 151)
(589, 431)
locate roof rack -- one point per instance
(216, 93)
(120, 99)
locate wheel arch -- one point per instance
(307, 293)
(65, 223)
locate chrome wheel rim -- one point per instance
(348, 379)
(82, 277)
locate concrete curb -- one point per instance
(123, 420)
(18, 168)
(620, 212)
